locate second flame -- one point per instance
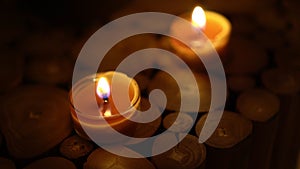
(198, 18)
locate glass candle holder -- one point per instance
(89, 114)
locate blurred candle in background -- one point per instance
(216, 30)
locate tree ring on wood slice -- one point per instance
(34, 119)
(188, 154)
(168, 85)
(239, 83)
(6, 164)
(52, 70)
(258, 104)
(183, 124)
(51, 163)
(246, 57)
(103, 159)
(74, 147)
(11, 70)
(281, 81)
(232, 129)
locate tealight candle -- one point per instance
(213, 25)
(92, 103)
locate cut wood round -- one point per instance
(240, 83)
(183, 124)
(54, 70)
(281, 81)
(232, 129)
(188, 154)
(258, 104)
(51, 163)
(34, 119)
(6, 163)
(74, 147)
(144, 130)
(101, 159)
(11, 69)
(168, 85)
(246, 57)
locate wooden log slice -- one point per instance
(281, 81)
(101, 159)
(144, 130)
(258, 104)
(188, 154)
(74, 147)
(168, 85)
(232, 129)
(34, 119)
(183, 124)
(51, 163)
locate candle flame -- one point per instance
(103, 89)
(199, 18)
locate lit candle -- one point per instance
(92, 103)
(213, 25)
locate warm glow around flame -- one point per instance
(198, 17)
(107, 113)
(103, 89)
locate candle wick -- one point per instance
(105, 100)
(105, 106)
